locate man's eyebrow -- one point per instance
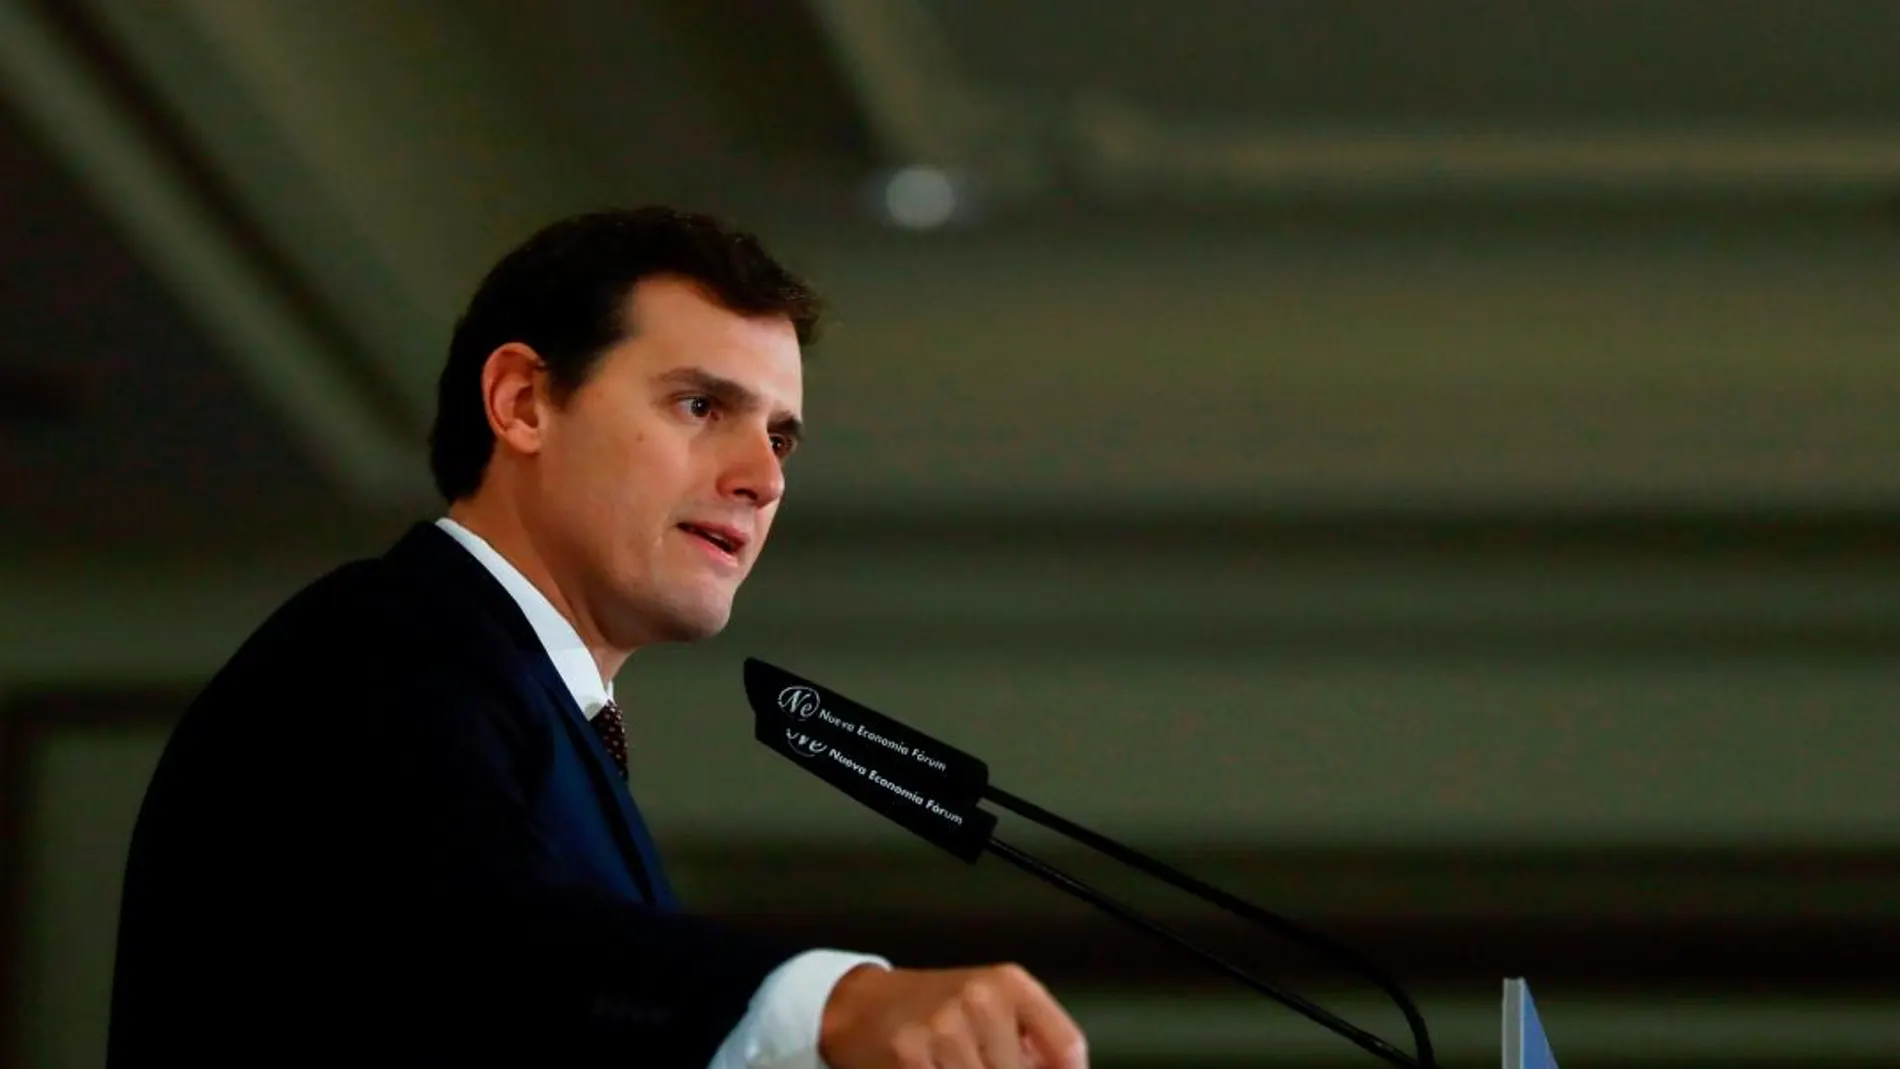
(733, 396)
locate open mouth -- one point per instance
(721, 540)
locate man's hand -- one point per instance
(996, 1017)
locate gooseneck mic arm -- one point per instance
(934, 790)
(1239, 907)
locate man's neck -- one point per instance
(506, 535)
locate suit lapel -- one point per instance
(498, 634)
(615, 793)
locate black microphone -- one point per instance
(881, 776)
(934, 789)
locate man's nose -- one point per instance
(754, 471)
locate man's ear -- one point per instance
(515, 397)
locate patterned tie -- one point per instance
(612, 730)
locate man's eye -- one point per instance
(699, 407)
(781, 445)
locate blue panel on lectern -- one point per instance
(1525, 1044)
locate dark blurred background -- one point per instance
(1427, 468)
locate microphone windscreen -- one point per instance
(873, 759)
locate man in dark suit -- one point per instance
(395, 828)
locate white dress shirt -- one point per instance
(780, 1030)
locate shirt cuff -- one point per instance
(780, 1029)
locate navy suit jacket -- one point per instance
(384, 834)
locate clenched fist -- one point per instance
(996, 1017)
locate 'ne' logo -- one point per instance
(800, 702)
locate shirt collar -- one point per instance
(563, 644)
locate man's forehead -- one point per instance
(669, 302)
(676, 327)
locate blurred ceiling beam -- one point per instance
(1016, 147)
(129, 171)
(907, 80)
(1124, 152)
(385, 149)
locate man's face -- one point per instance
(657, 480)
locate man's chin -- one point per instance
(692, 623)
(650, 617)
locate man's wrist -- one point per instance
(842, 1008)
